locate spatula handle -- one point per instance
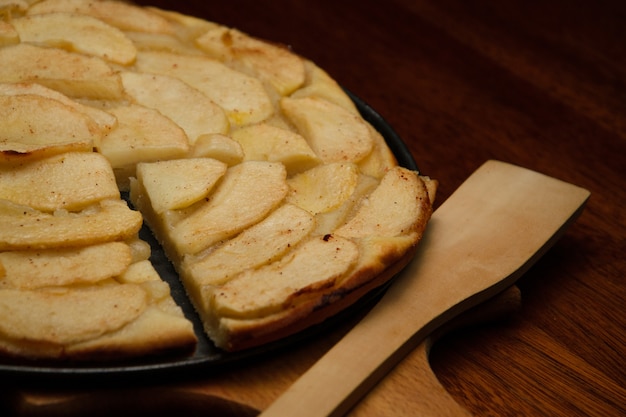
(479, 242)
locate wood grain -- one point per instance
(537, 84)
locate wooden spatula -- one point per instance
(479, 242)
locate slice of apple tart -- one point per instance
(263, 255)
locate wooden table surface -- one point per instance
(538, 85)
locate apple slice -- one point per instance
(77, 33)
(334, 133)
(261, 244)
(328, 221)
(161, 42)
(8, 34)
(61, 316)
(139, 273)
(392, 209)
(122, 15)
(273, 64)
(30, 124)
(69, 181)
(312, 267)
(72, 74)
(104, 120)
(144, 274)
(142, 135)
(264, 142)
(380, 160)
(242, 97)
(178, 183)
(139, 249)
(324, 187)
(218, 147)
(246, 194)
(192, 110)
(319, 84)
(58, 267)
(23, 228)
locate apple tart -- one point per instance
(276, 202)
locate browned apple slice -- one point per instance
(57, 267)
(142, 135)
(271, 63)
(323, 188)
(123, 15)
(319, 84)
(30, 126)
(73, 74)
(219, 147)
(242, 97)
(391, 209)
(334, 133)
(104, 120)
(77, 33)
(69, 181)
(179, 183)
(312, 267)
(246, 194)
(264, 142)
(189, 108)
(62, 316)
(261, 244)
(25, 228)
